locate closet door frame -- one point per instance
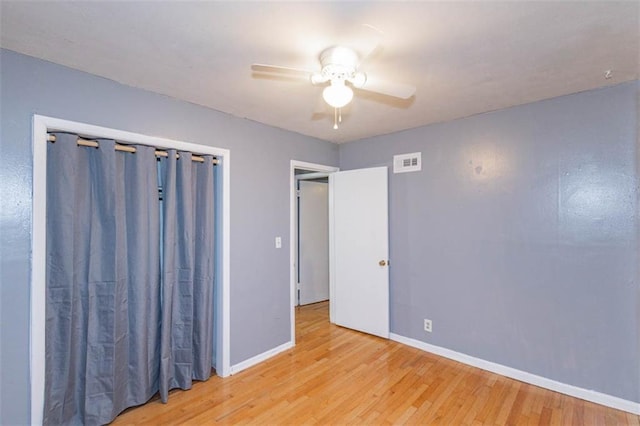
(41, 126)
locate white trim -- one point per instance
(43, 124)
(223, 332)
(293, 240)
(523, 376)
(38, 266)
(332, 251)
(260, 358)
(312, 176)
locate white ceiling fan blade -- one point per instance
(389, 88)
(276, 69)
(374, 45)
(371, 55)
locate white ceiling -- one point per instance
(464, 57)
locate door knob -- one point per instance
(382, 263)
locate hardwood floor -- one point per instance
(339, 376)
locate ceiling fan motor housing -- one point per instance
(338, 63)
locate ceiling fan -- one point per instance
(339, 72)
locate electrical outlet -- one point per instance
(278, 242)
(428, 326)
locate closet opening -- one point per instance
(42, 125)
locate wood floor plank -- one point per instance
(338, 376)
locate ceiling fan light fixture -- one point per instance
(337, 94)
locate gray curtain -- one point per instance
(187, 271)
(103, 278)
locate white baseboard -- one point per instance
(260, 357)
(523, 376)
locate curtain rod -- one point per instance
(128, 148)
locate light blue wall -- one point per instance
(520, 239)
(259, 200)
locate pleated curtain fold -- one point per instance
(188, 268)
(115, 270)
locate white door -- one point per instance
(313, 225)
(359, 244)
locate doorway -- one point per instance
(313, 239)
(308, 236)
(358, 246)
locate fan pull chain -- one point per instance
(337, 117)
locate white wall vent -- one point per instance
(404, 163)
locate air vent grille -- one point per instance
(404, 163)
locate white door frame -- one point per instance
(41, 126)
(293, 226)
